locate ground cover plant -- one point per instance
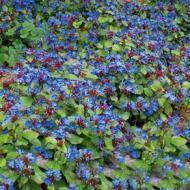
(94, 94)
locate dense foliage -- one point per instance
(94, 94)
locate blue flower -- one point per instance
(30, 157)
(83, 172)
(48, 181)
(119, 184)
(43, 152)
(6, 183)
(56, 174)
(173, 121)
(72, 187)
(73, 153)
(16, 164)
(87, 155)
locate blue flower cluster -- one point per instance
(6, 183)
(94, 94)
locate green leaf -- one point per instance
(100, 46)
(26, 187)
(108, 143)
(105, 183)
(28, 25)
(3, 57)
(11, 60)
(22, 181)
(4, 138)
(11, 50)
(163, 117)
(2, 162)
(148, 92)
(1, 116)
(26, 101)
(143, 69)
(37, 34)
(102, 53)
(130, 44)
(141, 164)
(29, 58)
(53, 165)
(161, 101)
(11, 31)
(61, 112)
(91, 76)
(60, 156)
(70, 76)
(114, 98)
(178, 141)
(80, 110)
(156, 85)
(69, 175)
(12, 155)
(22, 142)
(186, 85)
(74, 139)
(104, 19)
(77, 24)
(31, 186)
(176, 52)
(51, 187)
(178, 20)
(83, 36)
(12, 175)
(51, 140)
(126, 115)
(168, 108)
(140, 89)
(24, 33)
(167, 184)
(39, 176)
(108, 44)
(82, 53)
(116, 47)
(121, 174)
(60, 185)
(178, 6)
(30, 135)
(169, 149)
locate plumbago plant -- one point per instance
(94, 95)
